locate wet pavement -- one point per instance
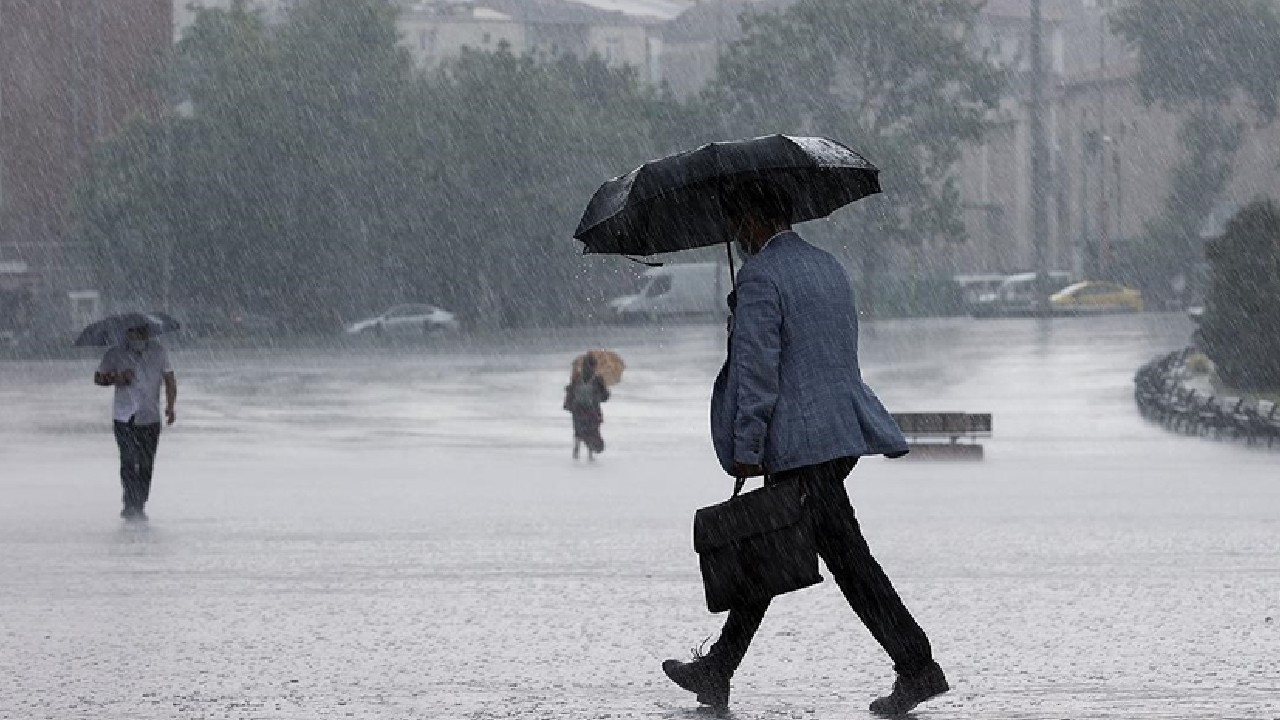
(400, 533)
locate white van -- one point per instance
(1017, 295)
(673, 291)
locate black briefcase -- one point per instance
(756, 545)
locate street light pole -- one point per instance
(1119, 183)
(1039, 162)
(1080, 263)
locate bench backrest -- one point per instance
(943, 423)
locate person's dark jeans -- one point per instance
(863, 582)
(137, 456)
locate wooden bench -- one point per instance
(937, 435)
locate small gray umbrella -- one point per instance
(111, 330)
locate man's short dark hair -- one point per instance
(756, 197)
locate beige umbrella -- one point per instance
(609, 366)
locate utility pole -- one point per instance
(1119, 178)
(99, 73)
(1039, 163)
(1104, 231)
(1080, 263)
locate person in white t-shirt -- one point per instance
(136, 370)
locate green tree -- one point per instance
(296, 182)
(895, 79)
(319, 174)
(224, 174)
(122, 212)
(527, 140)
(1204, 52)
(1240, 330)
(1198, 59)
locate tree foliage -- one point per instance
(1204, 52)
(1199, 59)
(1241, 326)
(895, 79)
(319, 174)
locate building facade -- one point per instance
(692, 42)
(1112, 158)
(434, 30)
(184, 11)
(72, 72)
(994, 176)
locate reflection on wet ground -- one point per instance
(399, 532)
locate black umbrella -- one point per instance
(673, 203)
(111, 330)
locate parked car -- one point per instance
(1017, 295)
(250, 323)
(974, 288)
(1093, 296)
(405, 320)
(212, 322)
(680, 290)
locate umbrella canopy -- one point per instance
(609, 366)
(674, 203)
(111, 330)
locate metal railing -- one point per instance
(1162, 396)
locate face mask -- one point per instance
(137, 345)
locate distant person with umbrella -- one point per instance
(136, 365)
(789, 403)
(582, 399)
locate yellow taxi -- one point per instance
(1093, 296)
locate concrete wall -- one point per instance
(621, 45)
(184, 11)
(430, 39)
(688, 66)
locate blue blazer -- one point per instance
(790, 393)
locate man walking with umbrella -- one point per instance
(789, 403)
(136, 368)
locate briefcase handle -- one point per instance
(739, 482)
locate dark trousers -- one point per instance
(137, 445)
(863, 582)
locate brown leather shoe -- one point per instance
(910, 691)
